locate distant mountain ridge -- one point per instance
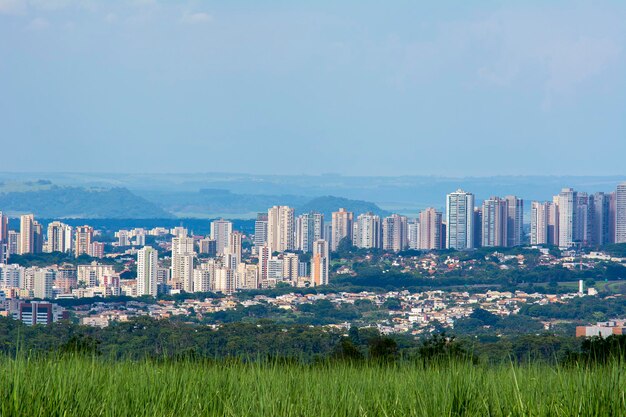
(328, 204)
(407, 194)
(210, 202)
(47, 200)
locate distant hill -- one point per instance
(204, 195)
(209, 203)
(223, 203)
(328, 204)
(47, 200)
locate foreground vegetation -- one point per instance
(76, 385)
(162, 368)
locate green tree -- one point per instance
(383, 349)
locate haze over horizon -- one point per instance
(357, 89)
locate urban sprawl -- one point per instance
(296, 250)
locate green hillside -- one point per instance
(328, 204)
(47, 200)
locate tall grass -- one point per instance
(83, 386)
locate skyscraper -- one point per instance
(37, 237)
(280, 229)
(234, 250)
(567, 201)
(260, 230)
(395, 233)
(553, 222)
(82, 242)
(620, 213)
(4, 236)
(147, 262)
(4, 227)
(600, 219)
(539, 214)
(291, 264)
(13, 243)
(309, 228)
(478, 227)
(515, 220)
(367, 231)
(413, 228)
(613, 216)
(185, 271)
(182, 263)
(582, 225)
(430, 229)
(460, 220)
(220, 231)
(59, 237)
(319, 263)
(342, 227)
(495, 222)
(26, 234)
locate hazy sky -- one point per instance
(275, 87)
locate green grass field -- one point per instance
(95, 387)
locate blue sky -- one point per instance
(277, 87)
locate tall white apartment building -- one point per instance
(147, 263)
(82, 241)
(539, 215)
(413, 233)
(430, 229)
(26, 234)
(182, 263)
(220, 231)
(4, 227)
(4, 235)
(367, 231)
(233, 252)
(264, 254)
(620, 213)
(600, 219)
(59, 238)
(495, 222)
(341, 227)
(460, 220)
(515, 220)
(260, 230)
(13, 242)
(309, 228)
(567, 202)
(395, 233)
(291, 264)
(280, 228)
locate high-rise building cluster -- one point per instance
(60, 237)
(575, 218)
(293, 249)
